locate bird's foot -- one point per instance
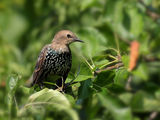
(61, 88)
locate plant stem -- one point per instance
(16, 103)
(108, 64)
(117, 42)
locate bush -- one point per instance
(115, 75)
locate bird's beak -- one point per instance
(78, 40)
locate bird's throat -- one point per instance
(60, 48)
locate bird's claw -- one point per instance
(61, 89)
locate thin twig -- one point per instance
(112, 49)
(111, 56)
(150, 58)
(128, 84)
(110, 68)
(76, 75)
(16, 103)
(153, 115)
(49, 83)
(91, 68)
(117, 42)
(108, 64)
(92, 61)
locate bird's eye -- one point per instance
(69, 36)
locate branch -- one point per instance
(150, 58)
(150, 12)
(128, 84)
(153, 115)
(109, 68)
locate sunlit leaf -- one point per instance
(115, 106)
(48, 99)
(12, 84)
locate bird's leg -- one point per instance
(61, 88)
(62, 85)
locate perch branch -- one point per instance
(109, 68)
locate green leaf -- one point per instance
(88, 3)
(82, 74)
(12, 84)
(157, 94)
(85, 89)
(126, 97)
(101, 63)
(115, 88)
(82, 78)
(121, 77)
(144, 102)
(141, 73)
(48, 100)
(144, 40)
(125, 60)
(137, 22)
(94, 41)
(104, 78)
(114, 106)
(14, 25)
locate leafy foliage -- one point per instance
(102, 86)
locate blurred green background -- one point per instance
(105, 25)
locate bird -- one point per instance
(55, 59)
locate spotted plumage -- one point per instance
(55, 58)
(57, 62)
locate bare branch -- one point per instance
(109, 68)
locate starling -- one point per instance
(55, 59)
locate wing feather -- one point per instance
(39, 68)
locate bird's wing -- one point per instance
(39, 65)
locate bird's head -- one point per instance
(65, 37)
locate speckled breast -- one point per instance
(57, 62)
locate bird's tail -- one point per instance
(29, 82)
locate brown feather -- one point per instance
(39, 65)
